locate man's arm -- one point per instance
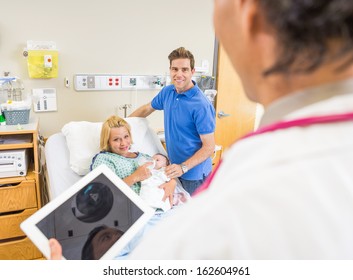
(207, 150)
(143, 111)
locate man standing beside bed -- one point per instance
(189, 122)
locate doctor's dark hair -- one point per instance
(182, 53)
(112, 122)
(306, 31)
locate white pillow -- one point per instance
(83, 139)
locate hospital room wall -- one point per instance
(107, 36)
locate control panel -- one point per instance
(103, 82)
(13, 163)
(44, 99)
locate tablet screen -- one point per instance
(88, 223)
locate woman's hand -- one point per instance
(169, 188)
(55, 249)
(141, 173)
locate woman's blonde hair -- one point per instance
(112, 122)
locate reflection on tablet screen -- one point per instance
(92, 220)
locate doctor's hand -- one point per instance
(173, 171)
(55, 249)
(168, 188)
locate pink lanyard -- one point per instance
(303, 122)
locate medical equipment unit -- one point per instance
(13, 163)
(15, 105)
(11, 88)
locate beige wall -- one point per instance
(105, 36)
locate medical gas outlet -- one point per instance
(106, 82)
(97, 82)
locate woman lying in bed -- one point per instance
(115, 142)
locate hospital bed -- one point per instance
(69, 153)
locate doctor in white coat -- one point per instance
(285, 191)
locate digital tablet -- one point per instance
(94, 219)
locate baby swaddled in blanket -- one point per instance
(150, 190)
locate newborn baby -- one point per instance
(150, 188)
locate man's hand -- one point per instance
(169, 188)
(173, 171)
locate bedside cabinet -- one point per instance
(20, 195)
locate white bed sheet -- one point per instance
(60, 175)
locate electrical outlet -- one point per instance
(91, 82)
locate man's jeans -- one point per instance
(191, 185)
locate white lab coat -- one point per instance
(286, 194)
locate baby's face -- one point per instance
(160, 160)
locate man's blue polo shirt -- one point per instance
(186, 116)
